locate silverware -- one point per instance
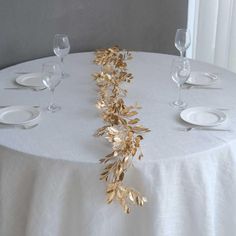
(25, 88)
(199, 87)
(223, 109)
(22, 72)
(5, 126)
(187, 129)
(4, 106)
(29, 126)
(215, 73)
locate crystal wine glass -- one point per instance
(51, 79)
(182, 40)
(61, 48)
(180, 72)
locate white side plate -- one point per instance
(19, 115)
(31, 80)
(201, 78)
(203, 116)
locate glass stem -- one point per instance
(179, 95)
(62, 66)
(182, 54)
(52, 98)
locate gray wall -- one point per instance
(28, 26)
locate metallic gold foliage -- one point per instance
(121, 129)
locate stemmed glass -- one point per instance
(180, 72)
(182, 40)
(51, 79)
(61, 48)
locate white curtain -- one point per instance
(213, 28)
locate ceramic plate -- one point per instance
(203, 116)
(19, 115)
(201, 78)
(31, 80)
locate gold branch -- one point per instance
(121, 129)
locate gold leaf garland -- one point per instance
(121, 129)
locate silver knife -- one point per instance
(4, 106)
(25, 88)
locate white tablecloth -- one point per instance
(49, 175)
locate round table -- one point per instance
(49, 175)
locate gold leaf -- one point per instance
(144, 199)
(126, 208)
(117, 139)
(112, 130)
(121, 177)
(110, 196)
(140, 129)
(131, 197)
(140, 137)
(116, 153)
(110, 155)
(140, 156)
(104, 173)
(132, 113)
(109, 191)
(126, 159)
(137, 200)
(134, 150)
(119, 194)
(123, 121)
(134, 121)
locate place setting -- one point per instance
(51, 75)
(200, 117)
(23, 117)
(195, 79)
(26, 116)
(202, 80)
(28, 81)
(204, 118)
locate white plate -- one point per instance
(201, 78)
(19, 115)
(31, 80)
(203, 116)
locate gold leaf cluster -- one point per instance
(121, 126)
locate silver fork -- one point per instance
(187, 129)
(22, 72)
(19, 126)
(29, 126)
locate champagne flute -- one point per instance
(51, 79)
(182, 40)
(61, 48)
(180, 72)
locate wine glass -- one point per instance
(180, 72)
(51, 79)
(182, 40)
(61, 48)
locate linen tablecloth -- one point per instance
(49, 175)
